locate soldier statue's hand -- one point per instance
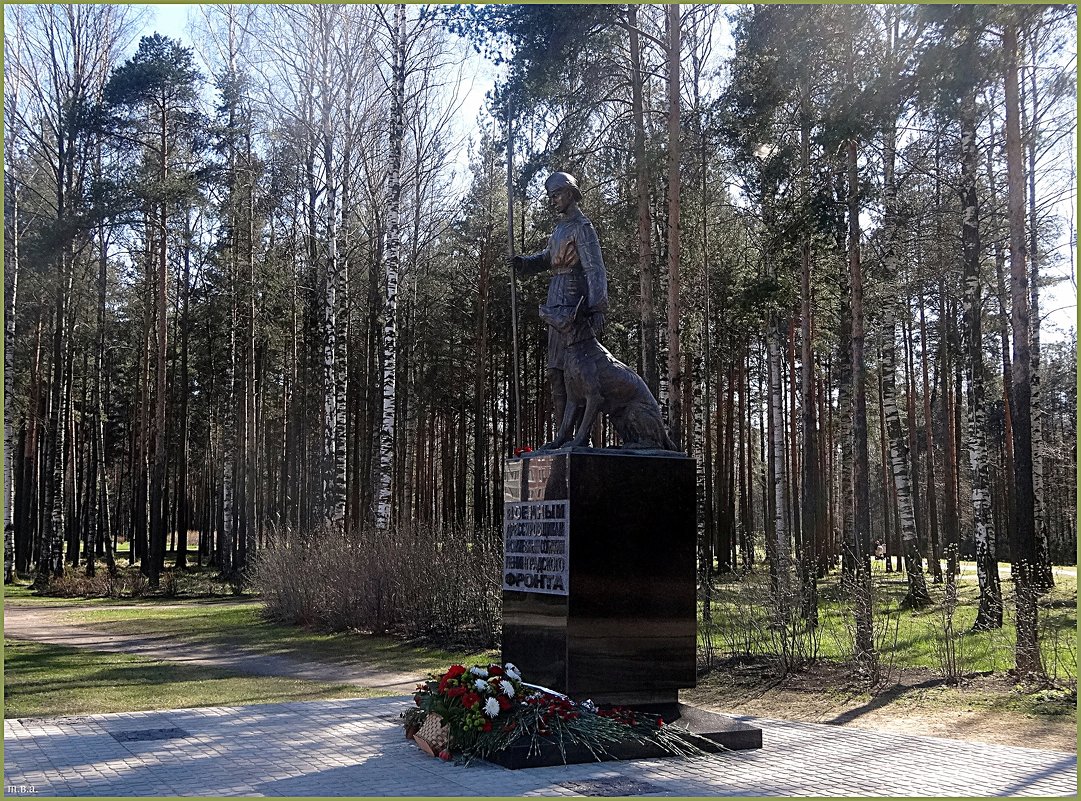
(516, 263)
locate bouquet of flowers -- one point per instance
(468, 700)
(482, 710)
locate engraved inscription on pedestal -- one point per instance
(535, 547)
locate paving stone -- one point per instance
(349, 747)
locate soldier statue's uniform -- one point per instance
(578, 278)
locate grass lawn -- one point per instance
(904, 638)
(48, 680)
(242, 624)
(43, 680)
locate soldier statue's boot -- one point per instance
(559, 405)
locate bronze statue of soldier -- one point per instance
(584, 377)
(578, 278)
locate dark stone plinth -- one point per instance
(619, 624)
(717, 732)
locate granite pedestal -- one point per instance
(599, 594)
(599, 574)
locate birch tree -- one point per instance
(1027, 652)
(1044, 83)
(12, 238)
(989, 614)
(675, 367)
(917, 595)
(392, 262)
(952, 65)
(647, 312)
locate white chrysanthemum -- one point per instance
(507, 687)
(479, 671)
(491, 707)
(512, 672)
(481, 685)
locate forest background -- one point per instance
(258, 310)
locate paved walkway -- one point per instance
(356, 748)
(49, 625)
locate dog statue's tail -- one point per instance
(642, 428)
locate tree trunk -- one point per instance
(392, 257)
(158, 502)
(746, 471)
(917, 595)
(989, 614)
(251, 448)
(845, 387)
(904, 456)
(10, 306)
(889, 495)
(792, 502)
(779, 564)
(1027, 652)
(866, 657)
(101, 475)
(1044, 575)
(333, 489)
(927, 539)
(809, 513)
(932, 503)
(647, 312)
(51, 559)
(708, 545)
(675, 376)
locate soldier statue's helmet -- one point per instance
(562, 180)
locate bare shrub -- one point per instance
(741, 617)
(418, 581)
(754, 617)
(949, 643)
(75, 584)
(139, 585)
(1059, 646)
(114, 584)
(291, 576)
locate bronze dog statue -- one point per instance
(598, 382)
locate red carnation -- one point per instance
(495, 670)
(487, 726)
(454, 672)
(470, 699)
(455, 692)
(504, 703)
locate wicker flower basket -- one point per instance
(434, 735)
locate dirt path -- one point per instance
(48, 624)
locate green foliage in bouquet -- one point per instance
(490, 708)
